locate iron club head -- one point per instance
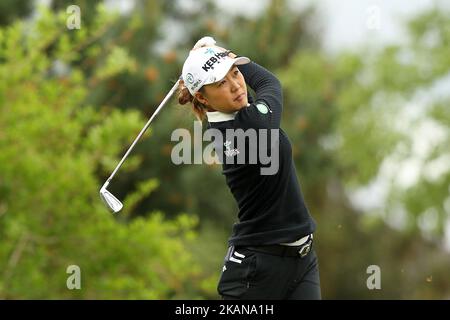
(110, 200)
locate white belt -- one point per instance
(299, 242)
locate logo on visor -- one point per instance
(216, 58)
(190, 78)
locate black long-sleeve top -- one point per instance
(271, 206)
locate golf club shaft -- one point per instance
(175, 86)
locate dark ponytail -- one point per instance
(184, 97)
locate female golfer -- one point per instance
(270, 253)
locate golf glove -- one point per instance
(204, 42)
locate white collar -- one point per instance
(217, 116)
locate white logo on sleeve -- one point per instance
(230, 152)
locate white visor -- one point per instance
(207, 65)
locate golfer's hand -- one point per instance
(207, 42)
(204, 42)
(210, 42)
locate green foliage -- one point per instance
(263, 34)
(72, 101)
(53, 147)
(13, 9)
(346, 116)
(117, 61)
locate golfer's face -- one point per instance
(229, 94)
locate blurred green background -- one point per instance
(369, 125)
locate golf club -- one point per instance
(107, 197)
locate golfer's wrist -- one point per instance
(231, 54)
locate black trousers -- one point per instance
(254, 275)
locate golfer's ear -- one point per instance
(201, 98)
